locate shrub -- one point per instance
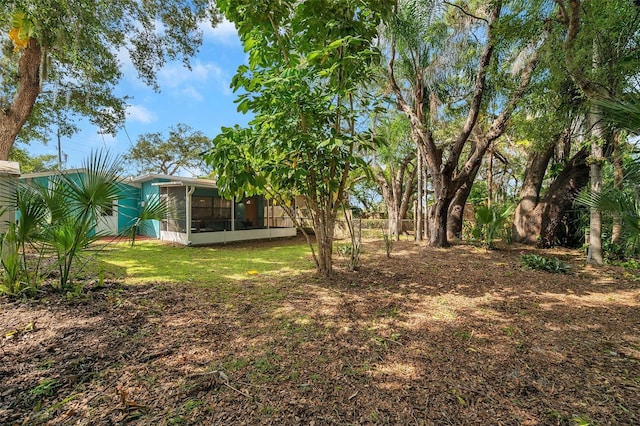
(491, 223)
(547, 264)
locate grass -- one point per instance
(152, 261)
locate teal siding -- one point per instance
(128, 199)
(150, 228)
(128, 207)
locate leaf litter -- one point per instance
(427, 336)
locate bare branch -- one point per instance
(465, 12)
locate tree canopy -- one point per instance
(180, 150)
(306, 63)
(63, 58)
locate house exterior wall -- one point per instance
(128, 207)
(151, 228)
(9, 173)
(128, 198)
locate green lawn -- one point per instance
(153, 261)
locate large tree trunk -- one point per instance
(13, 118)
(559, 198)
(438, 215)
(456, 210)
(526, 227)
(594, 252)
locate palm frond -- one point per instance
(34, 213)
(623, 113)
(155, 208)
(94, 192)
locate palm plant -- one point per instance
(490, 222)
(624, 114)
(29, 228)
(60, 218)
(623, 203)
(155, 208)
(86, 198)
(9, 258)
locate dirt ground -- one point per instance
(429, 336)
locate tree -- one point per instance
(601, 54)
(31, 164)
(552, 124)
(433, 53)
(307, 63)
(365, 197)
(620, 200)
(395, 170)
(65, 60)
(181, 149)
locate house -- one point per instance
(115, 220)
(197, 214)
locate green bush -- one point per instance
(547, 264)
(57, 219)
(491, 223)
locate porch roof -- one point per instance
(167, 180)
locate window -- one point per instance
(210, 214)
(111, 210)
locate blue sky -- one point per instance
(199, 97)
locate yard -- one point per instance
(248, 334)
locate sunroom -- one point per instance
(198, 215)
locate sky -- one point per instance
(199, 97)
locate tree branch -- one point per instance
(476, 102)
(498, 126)
(465, 12)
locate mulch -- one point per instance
(427, 336)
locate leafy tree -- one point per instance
(551, 124)
(365, 196)
(31, 164)
(181, 149)
(619, 200)
(307, 61)
(394, 169)
(439, 67)
(601, 54)
(62, 58)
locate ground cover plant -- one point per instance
(542, 263)
(249, 334)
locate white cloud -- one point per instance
(203, 76)
(192, 93)
(140, 114)
(176, 74)
(224, 33)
